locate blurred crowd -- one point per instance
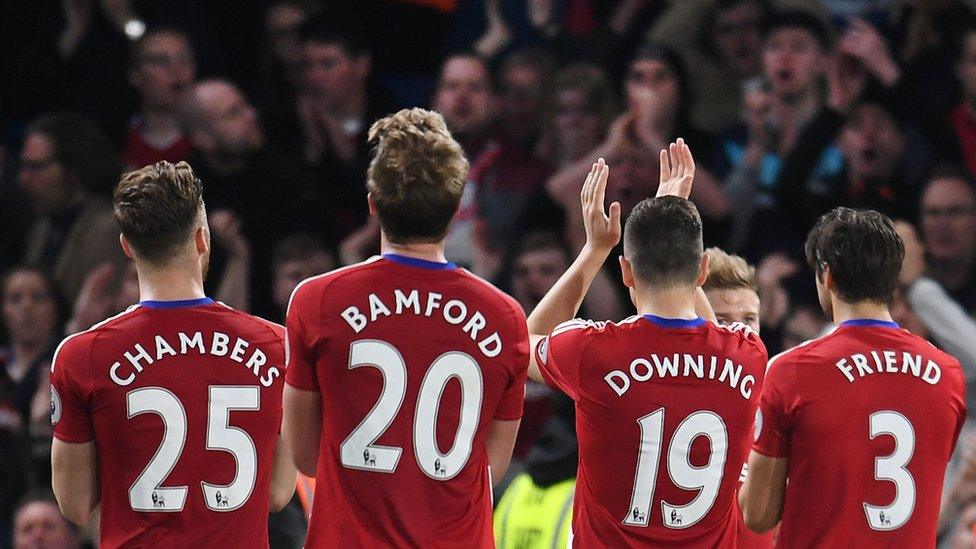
(791, 107)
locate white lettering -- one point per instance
(219, 345)
(433, 302)
(647, 369)
(237, 355)
(932, 373)
(486, 345)
(455, 304)
(622, 382)
(113, 373)
(163, 348)
(189, 343)
(404, 301)
(355, 319)
(845, 369)
(474, 325)
(377, 308)
(141, 354)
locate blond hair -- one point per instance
(417, 175)
(728, 272)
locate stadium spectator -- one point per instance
(524, 80)
(162, 71)
(295, 258)
(963, 117)
(66, 168)
(38, 524)
(948, 225)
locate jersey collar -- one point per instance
(869, 323)
(177, 304)
(675, 322)
(417, 262)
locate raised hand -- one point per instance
(677, 170)
(602, 230)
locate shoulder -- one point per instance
(743, 333)
(249, 321)
(589, 329)
(491, 291)
(314, 286)
(810, 348)
(79, 346)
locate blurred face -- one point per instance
(535, 272)
(164, 71)
(792, 61)
(966, 68)
(332, 75)
(29, 312)
(464, 96)
(521, 102)
(635, 176)
(281, 23)
(949, 221)
(802, 325)
(737, 39)
(577, 125)
(871, 142)
(735, 305)
(42, 177)
(290, 273)
(656, 77)
(233, 126)
(40, 525)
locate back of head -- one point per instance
(81, 148)
(729, 272)
(862, 251)
(663, 242)
(158, 208)
(416, 176)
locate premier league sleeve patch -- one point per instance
(543, 350)
(55, 406)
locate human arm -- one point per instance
(303, 427)
(283, 475)
(74, 478)
(761, 496)
(501, 443)
(234, 288)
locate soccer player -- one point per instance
(665, 400)
(169, 413)
(860, 422)
(406, 374)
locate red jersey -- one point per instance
(414, 360)
(664, 416)
(138, 152)
(867, 417)
(183, 402)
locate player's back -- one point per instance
(414, 360)
(872, 413)
(183, 402)
(665, 412)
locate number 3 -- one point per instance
(892, 468)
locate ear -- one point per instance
(702, 271)
(201, 237)
(626, 272)
(828, 280)
(371, 203)
(126, 249)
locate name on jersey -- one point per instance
(455, 312)
(134, 361)
(723, 370)
(889, 362)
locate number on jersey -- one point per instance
(892, 468)
(706, 479)
(147, 492)
(360, 451)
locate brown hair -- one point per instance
(157, 208)
(729, 272)
(663, 241)
(416, 176)
(862, 250)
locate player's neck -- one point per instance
(666, 303)
(429, 251)
(868, 310)
(171, 283)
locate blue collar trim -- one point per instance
(416, 262)
(177, 304)
(675, 322)
(869, 323)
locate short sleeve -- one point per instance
(776, 405)
(559, 356)
(510, 407)
(299, 354)
(71, 391)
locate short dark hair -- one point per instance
(156, 208)
(798, 19)
(663, 241)
(138, 48)
(326, 28)
(416, 176)
(296, 247)
(862, 251)
(81, 148)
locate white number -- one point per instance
(358, 450)
(147, 494)
(221, 436)
(892, 468)
(707, 479)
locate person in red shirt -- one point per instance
(406, 374)
(665, 400)
(856, 427)
(168, 414)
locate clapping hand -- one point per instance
(677, 170)
(602, 230)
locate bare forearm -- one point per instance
(234, 288)
(564, 299)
